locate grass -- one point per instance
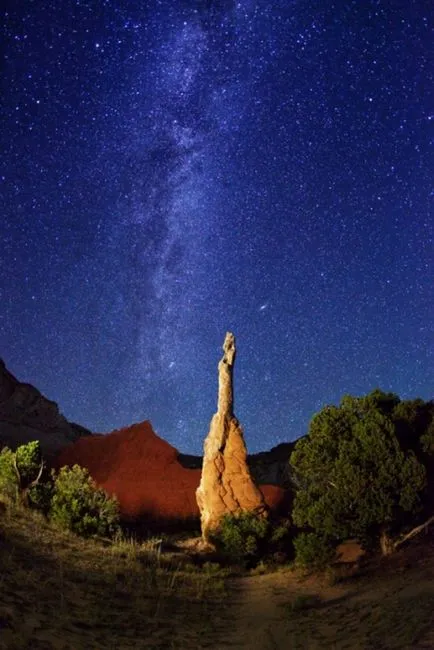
(58, 591)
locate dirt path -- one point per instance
(262, 618)
(280, 611)
(257, 614)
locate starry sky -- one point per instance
(173, 169)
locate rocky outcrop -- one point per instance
(273, 466)
(144, 472)
(226, 484)
(25, 415)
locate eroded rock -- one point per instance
(226, 484)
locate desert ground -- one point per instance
(60, 592)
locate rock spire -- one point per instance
(226, 485)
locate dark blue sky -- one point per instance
(177, 170)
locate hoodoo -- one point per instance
(226, 484)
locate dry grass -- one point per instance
(58, 591)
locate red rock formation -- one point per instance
(144, 472)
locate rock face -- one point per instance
(26, 415)
(226, 485)
(273, 466)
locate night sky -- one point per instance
(173, 169)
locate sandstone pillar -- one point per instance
(226, 485)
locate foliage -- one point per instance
(80, 506)
(20, 471)
(354, 477)
(28, 460)
(313, 551)
(8, 477)
(427, 439)
(280, 532)
(40, 495)
(414, 421)
(241, 535)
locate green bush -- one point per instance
(313, 551)
(240, 536)
(8, 477)
(80, 506)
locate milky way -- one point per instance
(175, 171)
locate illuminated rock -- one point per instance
(226, 484)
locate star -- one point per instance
(174, 172)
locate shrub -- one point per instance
(80, 506)
(313, 551)
(8, 477)
(240, 536)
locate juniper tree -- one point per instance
(354, 477)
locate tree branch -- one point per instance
(37, 479)
(414, 532)
(17, 471)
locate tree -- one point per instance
(28, 466)
(79, 505)
(354, 478)
(21, 471)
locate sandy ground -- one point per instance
(261, 615)
(392, 609)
